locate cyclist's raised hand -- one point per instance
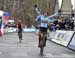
(35, 6)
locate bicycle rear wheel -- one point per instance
(20, 37)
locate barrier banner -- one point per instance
(24, 29)
(29, 30)
(72, 43)
(61, 37)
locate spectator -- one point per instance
(53, 27)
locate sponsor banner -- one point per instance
(61, 37)
(29, 30)
(24, 30)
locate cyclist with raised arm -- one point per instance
(43, 27)
(43, 19)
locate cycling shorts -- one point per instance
(43, 29)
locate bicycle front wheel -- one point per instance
(41, 51)
(20, 34)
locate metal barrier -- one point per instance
(64, 38)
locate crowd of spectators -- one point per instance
(62, 25)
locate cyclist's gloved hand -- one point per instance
(35, 6)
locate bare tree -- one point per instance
(24, 9)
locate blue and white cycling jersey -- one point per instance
(41, 17)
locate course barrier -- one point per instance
(65, 38)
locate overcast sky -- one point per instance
(60, 1)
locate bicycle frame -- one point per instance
(42, 35)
